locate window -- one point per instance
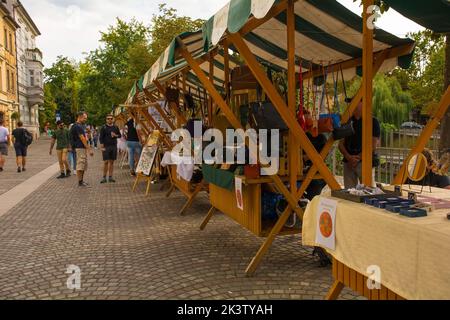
(8, 81)
(32, 78)
(6, 39)
(11, 48)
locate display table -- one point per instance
(413, 253)
(181, 170)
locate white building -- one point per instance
(29, 68)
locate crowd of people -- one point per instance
(76, 143)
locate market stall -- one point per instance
(407, 256)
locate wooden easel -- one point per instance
(154, 141)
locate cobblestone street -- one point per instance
(129, 246)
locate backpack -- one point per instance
(27, 138)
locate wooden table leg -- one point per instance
(191, 199)
(266, 245)
(149, 183)
(136, 182)
(172, 187)
(210, 214)
(335, 290)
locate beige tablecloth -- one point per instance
(413, 253)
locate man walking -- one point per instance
(22, 139)
(134, 144)
(4, 143)
(61, 137)
(108, 144)
(351, 148)
(82, 148)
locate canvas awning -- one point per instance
(326, 33)
(431, 14)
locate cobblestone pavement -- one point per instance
(39, 159)
(129, 246)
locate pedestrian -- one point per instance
(22, 139)
(5, 140)
(95, 138)
(351, 149)
(61, 139)
(89, 136)
(133, 143)
(72, 155)
(108, 144)
(81, 146)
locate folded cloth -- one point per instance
(185, 165)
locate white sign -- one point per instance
(239, 194)
(326, 224)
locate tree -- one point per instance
(60, 80)
(48, 114)
(166, 26)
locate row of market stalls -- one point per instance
(283, 56)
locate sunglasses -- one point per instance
(109, 118)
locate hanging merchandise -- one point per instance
(327, 121)
(345, 130)
(301, 110)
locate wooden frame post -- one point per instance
(294, 146)
(425, 136)
(226, 61)
(163, 114)
(367, 117)
(287, 115)
(180, 117)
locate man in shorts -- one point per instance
(61, 138)
(108, 144)
(4, 143)
(21, 146)
(82, 148)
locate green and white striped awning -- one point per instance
(326, 33)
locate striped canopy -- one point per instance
(326, 33)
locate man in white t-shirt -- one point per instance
(4, 143)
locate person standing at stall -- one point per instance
(61, 138)
(351, 149)
(108, 144)
(4, 143)
(81, 146)
(134, 144)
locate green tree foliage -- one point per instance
(61, 87)
(103, 80)
(425, 78)
(166, 26)
(391, 104)
(49, 109)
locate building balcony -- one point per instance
(35, 95)
(34, 55)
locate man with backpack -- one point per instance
(22, 140)
(61, 138)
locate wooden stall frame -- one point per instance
(425, 136)
(347, 277)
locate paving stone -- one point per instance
(129, 246)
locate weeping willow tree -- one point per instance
(391, 104)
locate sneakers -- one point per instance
(19, 170)
(111, 180)
(83, 184)
(23, 169)
(1, 169)
(68, 173)
(61, 176)
(133, 174)
(104, 181)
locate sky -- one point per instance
(72, 27)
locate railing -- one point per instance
(395, 148)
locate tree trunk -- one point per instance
(445, 124)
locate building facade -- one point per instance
(9, 99)
(29, 69)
